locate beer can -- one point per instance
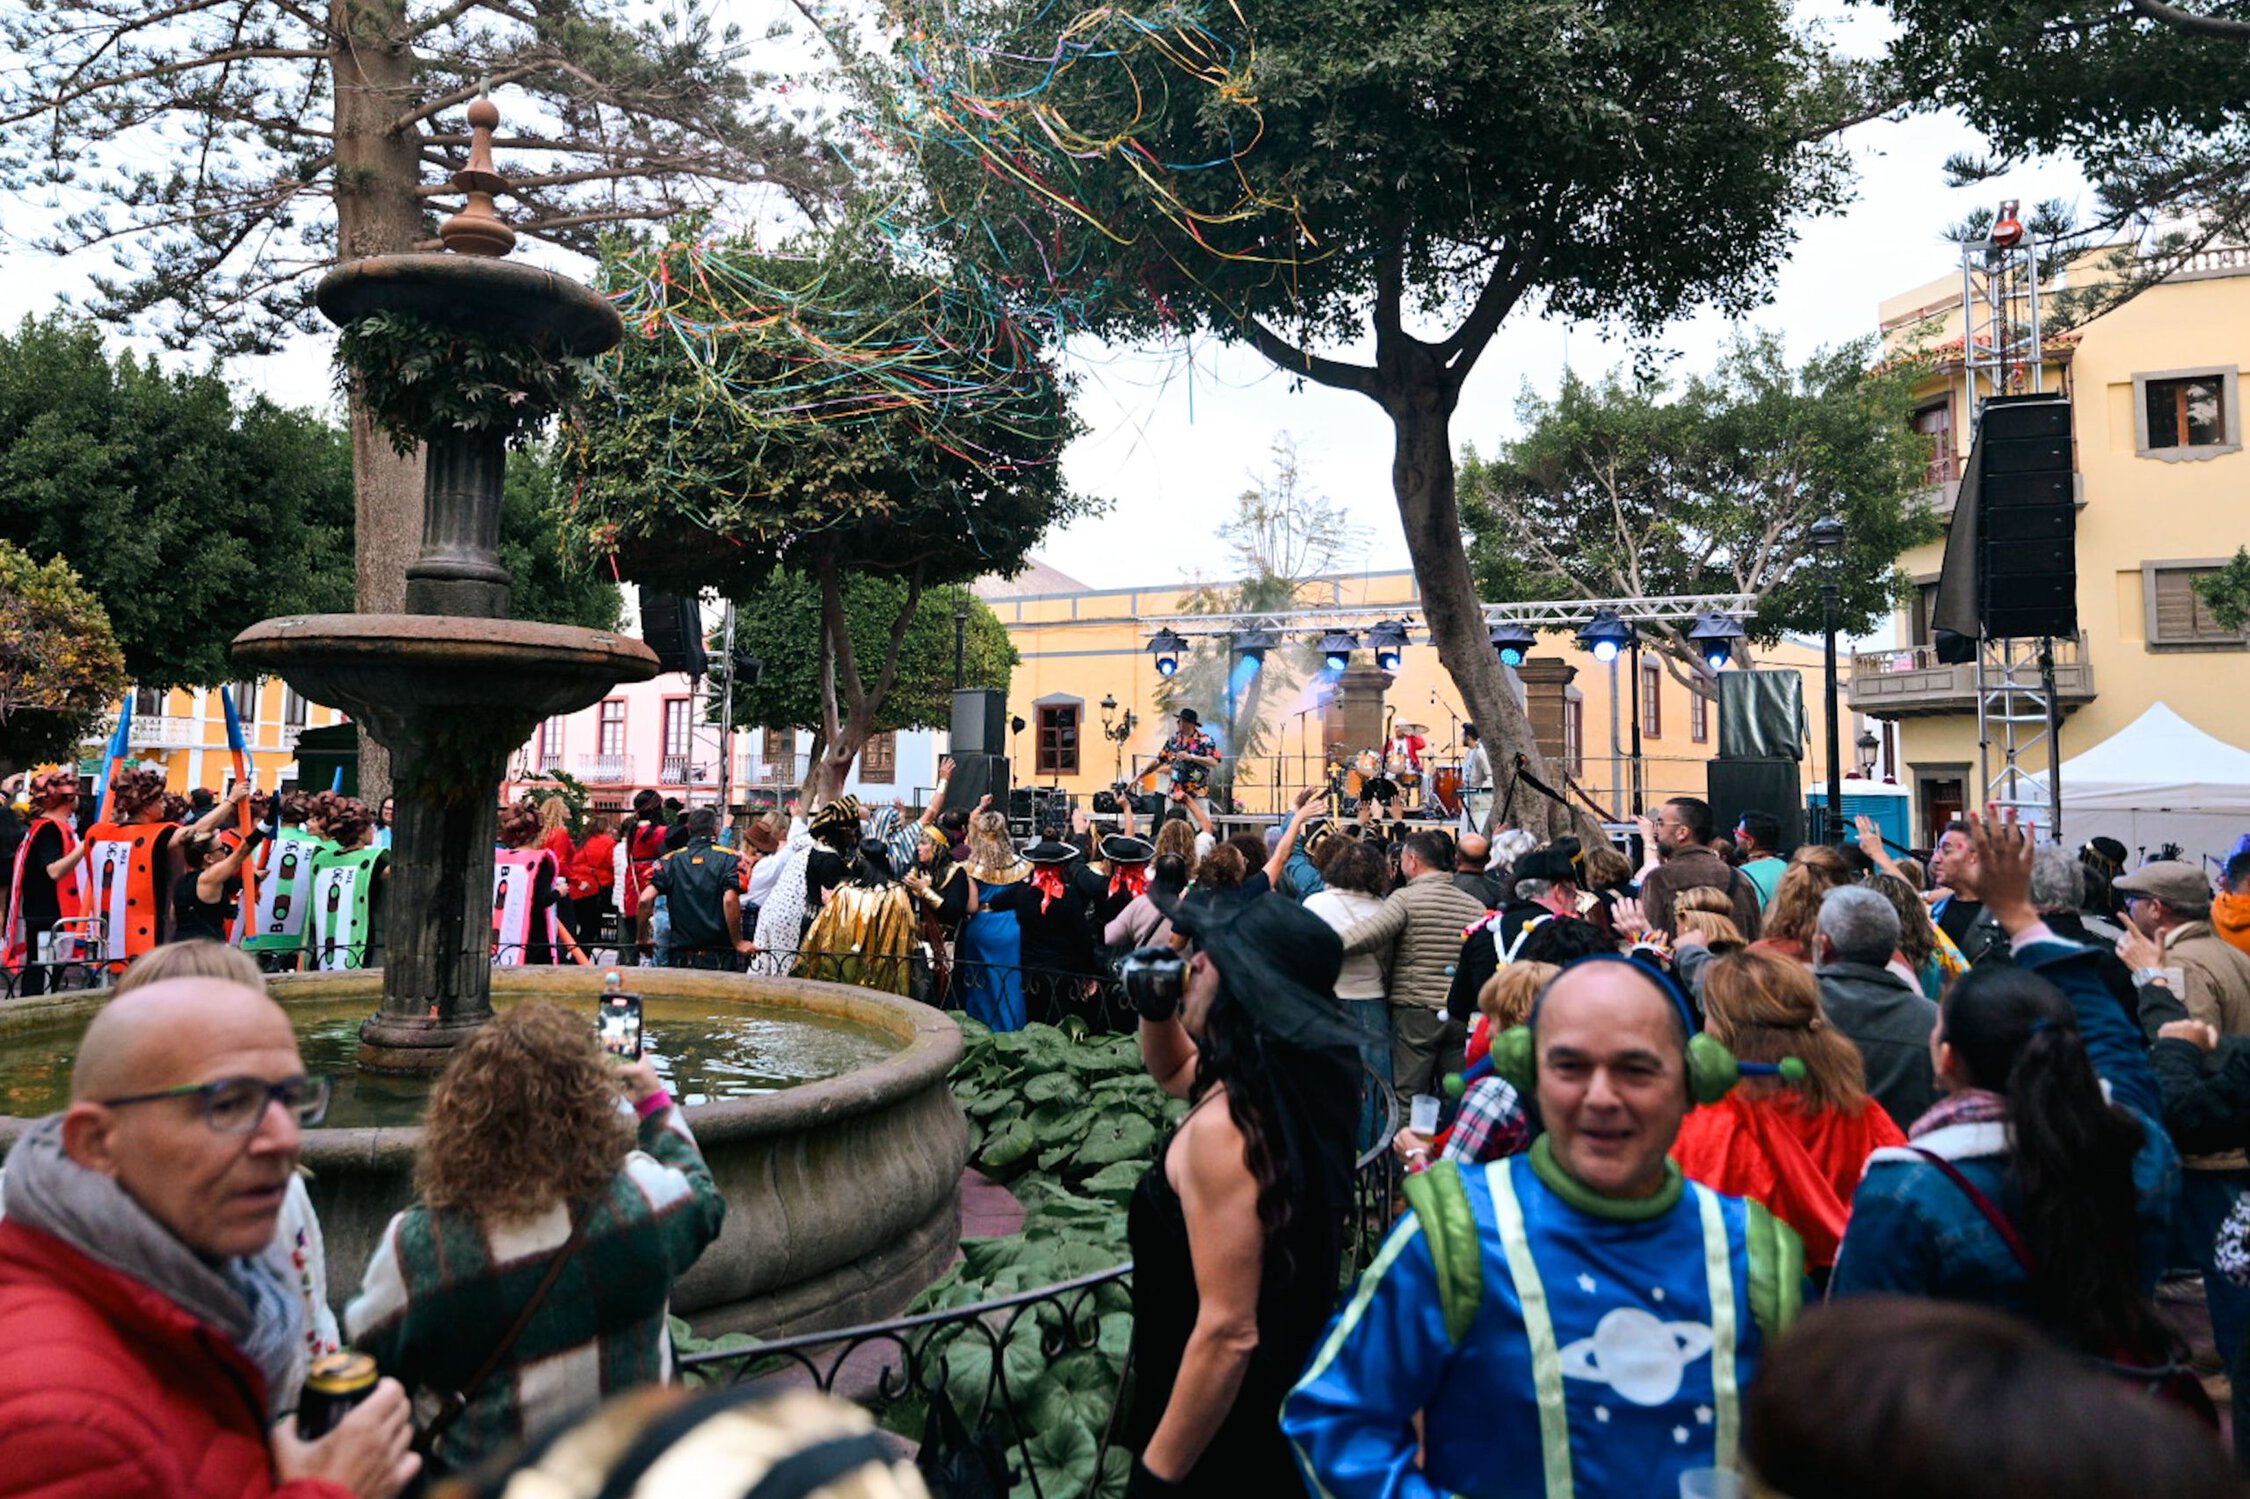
(333, 1385)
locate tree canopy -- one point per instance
(779, 622)
(60, 667)
(192, 514)
(2148, 98)
(1632, 487)
(1408, 173)
(830, 414)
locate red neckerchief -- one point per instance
(1049, 879)
(1130, 878)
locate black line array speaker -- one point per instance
(2027, 552)
(1772, 785)
(976, 776)
(980, 721)
(672, 626)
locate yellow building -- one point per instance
(183, 733)
(1086, 663)
(2163, 496)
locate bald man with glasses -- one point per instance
(147, 1316)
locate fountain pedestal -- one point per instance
(451, 698)
(453, 686)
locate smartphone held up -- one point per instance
(618, 1022)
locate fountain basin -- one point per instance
(842, 1193)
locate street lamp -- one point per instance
(1513, 642)
(1827, 537)
(1118, 732)
(1867, 745)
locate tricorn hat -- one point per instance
(1120, 849)
(1048, 851)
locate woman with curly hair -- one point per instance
(1797, 1146)
(527, 898)
(350, 874)
(1792, 922)
(47, 886)
(133, 861)
(1709, 914)
(992, 941)
(543, 1162)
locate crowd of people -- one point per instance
(1702, 1130)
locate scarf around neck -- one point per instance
(249, 1299)
(1969, 1106)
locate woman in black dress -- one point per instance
(206, 897)
(1237, 1230)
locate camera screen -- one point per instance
(620, 1029)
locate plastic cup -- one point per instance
(1423, 1113)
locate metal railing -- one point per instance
(919, 1374)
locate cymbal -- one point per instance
(1410, 728)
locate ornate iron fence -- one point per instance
(952, 1383)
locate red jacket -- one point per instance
(109, 1390)
(594, 870)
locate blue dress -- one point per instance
(992, 954)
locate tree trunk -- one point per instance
(377, 213)
(1420, 406)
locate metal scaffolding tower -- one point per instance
(2003, 353)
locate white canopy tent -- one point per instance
(2158, 780)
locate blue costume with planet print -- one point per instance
(1558, 1343)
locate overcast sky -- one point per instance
(1175, 433)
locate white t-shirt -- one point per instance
(1362, 974)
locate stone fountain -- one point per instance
(452, 686)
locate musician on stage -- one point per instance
(1405, 748)
(1192, 756)
(1476, 781)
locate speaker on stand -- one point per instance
(672, 626)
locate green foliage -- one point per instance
(552, 584)
(2150, 111)
(779, 622)
(576, 795)
(191, 515)
(421, 382)
(697, 473)
(1632, 487)
(2226, 593)
(60, 667)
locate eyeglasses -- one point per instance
(236, 1105)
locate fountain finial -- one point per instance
(477, 229)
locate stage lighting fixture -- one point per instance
(1513, 642)
(1387, 640)
(1605, 635)
(1252, 645)
(1336, 648)
(1714, 636)
(1167, 646)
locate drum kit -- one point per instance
(1393, 779)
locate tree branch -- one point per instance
(1459, 353)
(2188, 23)
(1333, 373)
(464, 94)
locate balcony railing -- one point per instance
(676, 770)
(164, 731)
(605, 770)
(550, 762)
(1910, 681)
(774, 770)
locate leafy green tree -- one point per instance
(60, 667)
(1392, 180)
(228, 151)
(193, 515)
(189, 515)
(1629, 487)
(552, 582)
(2146, 97)
(2226, 592)
(711, 467)
(779, 622)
